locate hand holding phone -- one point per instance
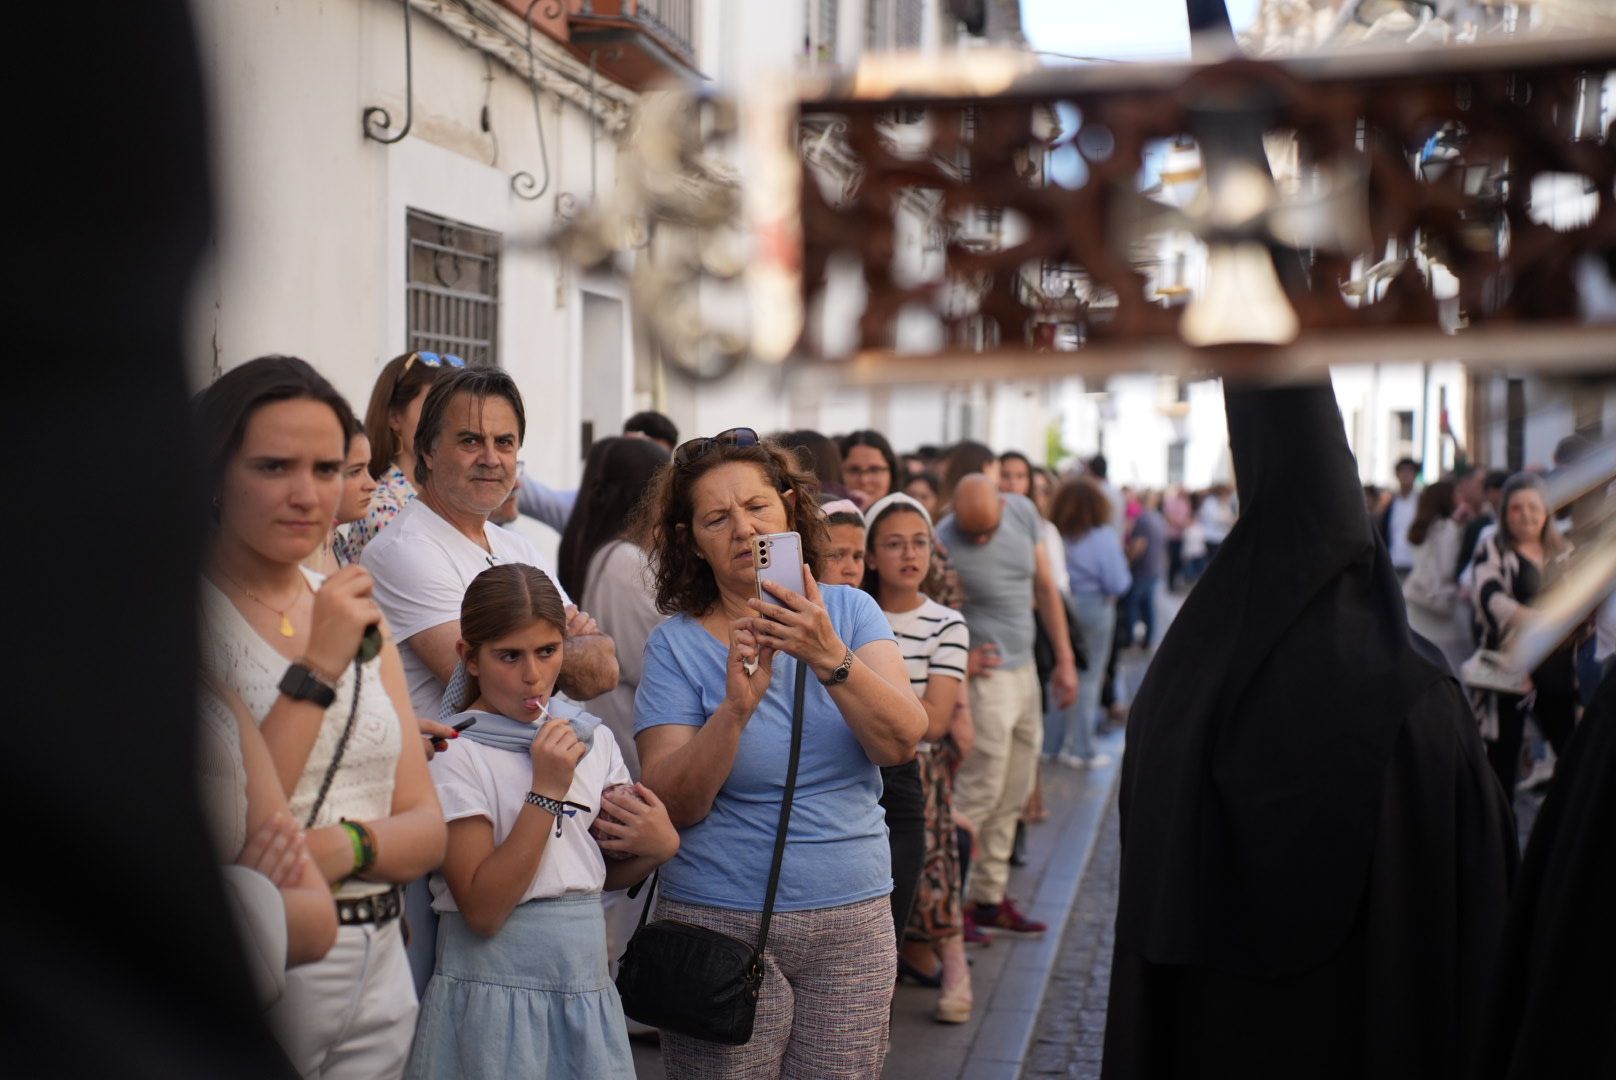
(798, 624)
(777, 557)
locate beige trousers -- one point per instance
(997, 775)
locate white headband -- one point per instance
(897, 498)
(839, 506)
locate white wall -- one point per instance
(1124, 416)
(1550, 415)
(311, 256)
(1369, 394)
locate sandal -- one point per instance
(908, 972)
(954, 1006)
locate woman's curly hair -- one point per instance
(684, 582)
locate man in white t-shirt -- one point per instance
(471, 428)
(1399, 516)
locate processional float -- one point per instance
(978, 216)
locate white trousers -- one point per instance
(350, 1016)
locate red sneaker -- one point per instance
(1005, 916)
(973, 933)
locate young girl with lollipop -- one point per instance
(521, 985)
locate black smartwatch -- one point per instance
(302, 684)
(843, 669)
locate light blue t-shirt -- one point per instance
(836, 848)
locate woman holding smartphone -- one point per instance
(713, 727)
(340, 731)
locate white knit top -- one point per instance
(234, 653)
(222, 777)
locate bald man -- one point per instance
(993, 542)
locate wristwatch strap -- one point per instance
(842, 671)
(302, 684)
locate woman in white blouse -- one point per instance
(283, 907)
(331, 705)
(1431, 590)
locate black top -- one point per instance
(1555, 990)
(1259, 742)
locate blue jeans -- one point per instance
(1139, 606)
(1056, 721)
(1074, 734)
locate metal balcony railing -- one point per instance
(674, 20)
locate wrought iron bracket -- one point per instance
(376, 120)
(524, 185)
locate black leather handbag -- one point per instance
(699, 982)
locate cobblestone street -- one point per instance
(1070, 1034)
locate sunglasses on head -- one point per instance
(687, 452)
(433, 360)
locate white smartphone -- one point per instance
(777, 557)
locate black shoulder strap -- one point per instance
(785, 806)
(650, 893)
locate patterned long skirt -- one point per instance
(936, 914)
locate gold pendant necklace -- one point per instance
(287, 629)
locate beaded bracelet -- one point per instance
(364, 845)
(557, 807)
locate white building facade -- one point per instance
(347, 251)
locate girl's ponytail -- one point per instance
(502, 600)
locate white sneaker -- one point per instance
(1099, 761)
(1072, 761)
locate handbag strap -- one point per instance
(780, 832)
(785, 806)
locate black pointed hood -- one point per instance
(1258, 743)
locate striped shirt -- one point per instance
(933, 640)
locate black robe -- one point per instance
(1315, 855)
(118, 957)
(1553, 1009)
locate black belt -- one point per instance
(381, 908)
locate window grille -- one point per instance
(1402, 435)
(908, 28)
(821, 23)
(452, 288)
(894, 24)
(1177, 454)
